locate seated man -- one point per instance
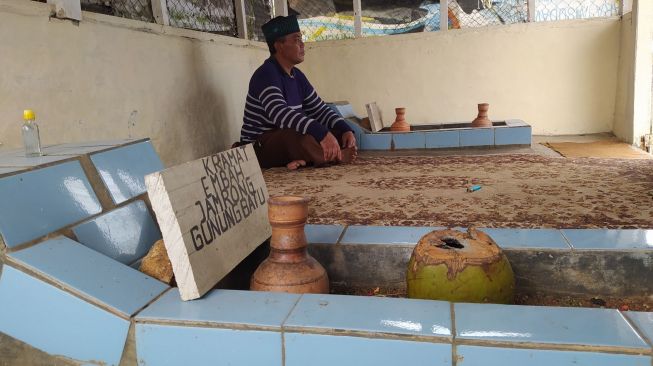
(284, 117)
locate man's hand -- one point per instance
(348, 140)
(330, 147)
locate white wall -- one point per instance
(110, 78)
(560, 77)
(623, 117)
(634, 94)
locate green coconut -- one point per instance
(461, 267)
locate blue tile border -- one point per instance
(221, 308)
(416, 140)
(644, 323)
(500, 356)
(477, 137)
(528, 238)
(87, 272)
(406, 235)
(546, 325)
(378, 141)
(58, 323)
(159, 344)
(442, 139)
(626, 239)
(373, 315)
(323, 234)
(512, 135)
(38, 202)
(125, 234)
(123, 169)
(323, 350)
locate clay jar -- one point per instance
(482, 120)
(461, 267)
(289, 268)
(400, 124)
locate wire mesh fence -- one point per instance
(481, 13)
(321, 20)
(257, 12)
(214, 16)
(334, 19)
(131, 9)
(405, 16)
(549, 10)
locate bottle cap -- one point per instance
(28, 114)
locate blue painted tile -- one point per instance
(57, 322)
(477, 137)
(173, 345)
(123, 170)
(376, 141)
(372, 314)
(512, 136)
(409, 140)
(609, 239)
(265, 309)
(644, 322)
(91, 273)
(442, 139)
(544, 324)
(317, 350)
(38, 202)
(385, 234)
(527, 238)
(495, 356)
(22, 161)
(124, 234)
(323, 234)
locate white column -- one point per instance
(358, 21)
(160, 12)
(444, 15)
(241, 19)
(625, 6)
(531, 10)
(67, 9)
(280, 7)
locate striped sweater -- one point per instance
(278, 100)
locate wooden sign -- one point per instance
(374, 114)
(212, 212)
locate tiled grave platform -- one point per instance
(67, 287)
(512, 132)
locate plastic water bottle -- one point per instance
(30, 130)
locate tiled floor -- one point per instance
(71, 319)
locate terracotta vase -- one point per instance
(460, 267)
(400, 124)
(289, 268)
(482, 120)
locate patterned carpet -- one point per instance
(518, 191)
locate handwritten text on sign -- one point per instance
(212, 213)
(230, 196)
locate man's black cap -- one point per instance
(278, 27)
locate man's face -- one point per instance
(291, 48)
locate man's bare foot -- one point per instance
(349, 154)
(295, 164)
